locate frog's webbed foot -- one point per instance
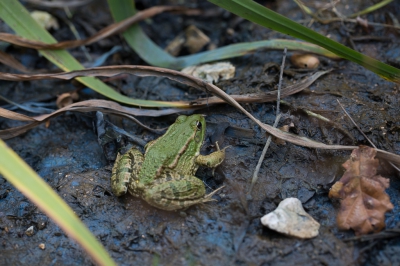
(176, 192)
(208, 197)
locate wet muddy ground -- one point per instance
(66, 154)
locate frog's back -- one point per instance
(176, 150)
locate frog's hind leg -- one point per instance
(125, 172)
(174, 191)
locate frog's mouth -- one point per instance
(197, 137)
(200, 126)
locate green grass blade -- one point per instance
(154, 55)
(265, 17)
(136, 38)
(239, 49)
(304, 7)
(362, 12)
(371, 8)
(21, 176)
(18, 18)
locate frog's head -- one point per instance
(192, 129)
(180, 145)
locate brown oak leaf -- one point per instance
(363, 200)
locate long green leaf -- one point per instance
(136, 38)
(263, 16)
(19, 19)
(154, 55)
(239, 49)
(21, 176)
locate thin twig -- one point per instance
(365, 136)
(278, 117)
(340, 17)
(255, 175)
(280, 83)
(354, 123)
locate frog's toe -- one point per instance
(119, 190)
(208, 197)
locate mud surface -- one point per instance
(66, 154)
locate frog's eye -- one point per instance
(199, 125)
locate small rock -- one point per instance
(305, 61)
(45, 20)
(195, 39)
(192, 38)
(291, 219)
(42, 246)
(41, 223)
(29, 231)
(211, 73)
(175, 46)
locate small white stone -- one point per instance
(45, 20)
(291, 219)
(30, 231)
(212, 73)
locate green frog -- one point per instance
(164, 175)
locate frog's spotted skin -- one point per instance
(164, 176)
(125, 172)
(173, 191)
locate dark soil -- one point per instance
(66, 153)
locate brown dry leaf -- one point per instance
(10, 61)
(363, 200)
(83, 106)
(284, 128)
(113, 107)
(111, 71)
(181, 78)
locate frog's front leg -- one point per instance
(125, 173)
(173, 191)
(212, 160)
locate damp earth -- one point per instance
(66, 153)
